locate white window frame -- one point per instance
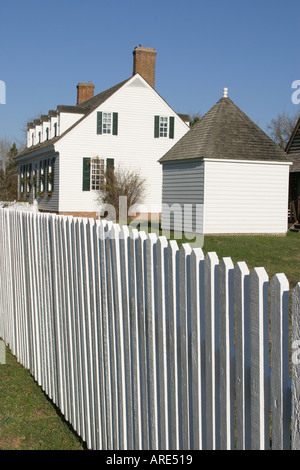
(163, 126)
(97, 173)
(106, 123)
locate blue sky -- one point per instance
(202, 46)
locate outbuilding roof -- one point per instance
(225, 132)
(293, 148)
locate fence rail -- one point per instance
(143, 345)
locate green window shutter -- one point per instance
(115, 123)
(40, 177)
(46, 176)
(156, 126)
(110, 163)
(99, 122)
(52, 168)
(86, 174)
(171, 127)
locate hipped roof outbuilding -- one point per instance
(225, 132)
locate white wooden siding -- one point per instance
(134, 147)
(245, 197)
(183, 184)
(66, 120)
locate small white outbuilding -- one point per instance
(225, 176)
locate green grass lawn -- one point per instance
(275, 254)
(28, 419)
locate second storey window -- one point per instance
(164, 127)
(107, 123)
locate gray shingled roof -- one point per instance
(225, 132)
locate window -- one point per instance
(164, 127)
(97, 173)
(107, 123)
(93, 172)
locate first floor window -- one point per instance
(93, 172)
(97, 173)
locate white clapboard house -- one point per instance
(129, 125)
(225, 176)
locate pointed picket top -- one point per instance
(212, 257)
(134, 233)
(197, 254)
(115, 232)
(162, 244)
(242, 268)
(173, 246)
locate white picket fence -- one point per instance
(145, 346)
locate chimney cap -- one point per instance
(85, 84)
(142, 48)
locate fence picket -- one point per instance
(102, 234)
(280, 390)
(242, 361)
(150, 314)
(172, 299)
(226, 302)
(124, 253)
(137, 407)
(197, 349)
(259, 324)
(295, 419)
(119, 331)
(162, 347)
(185, 329)
(211, 274)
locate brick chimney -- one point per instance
(84, 91)
(144, 63)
